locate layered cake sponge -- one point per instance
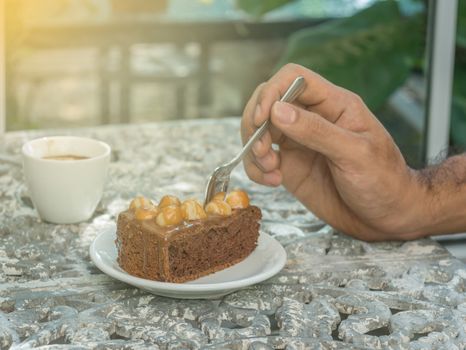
(178, 241)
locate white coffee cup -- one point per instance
(65, 191)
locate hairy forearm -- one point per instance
(442, 197)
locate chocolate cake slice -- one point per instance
(188, 250)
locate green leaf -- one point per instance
(458, 107)
(458, 111)
(370, 53)
(458, 121)
(461, 25)
(257, 8)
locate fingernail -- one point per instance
(257, 114)
(284, 113)
(272, 178)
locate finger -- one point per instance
(269, 162)
(272, 135)
(263, 145)
(259, 118)
(311, 130)
(247, 121)
(265, 97)
(320, 95)
(248, 127)
(272, 178)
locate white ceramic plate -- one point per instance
(266, 260)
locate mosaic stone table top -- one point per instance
(335, 292)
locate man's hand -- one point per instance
(335, 157)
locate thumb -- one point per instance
(312, 130)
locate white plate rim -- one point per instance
(187, 287)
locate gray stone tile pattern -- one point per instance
(334, 293)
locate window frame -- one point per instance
(2, 69)
(441, 61)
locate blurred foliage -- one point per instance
(458, 116)
(461, 26)
(370, 53)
